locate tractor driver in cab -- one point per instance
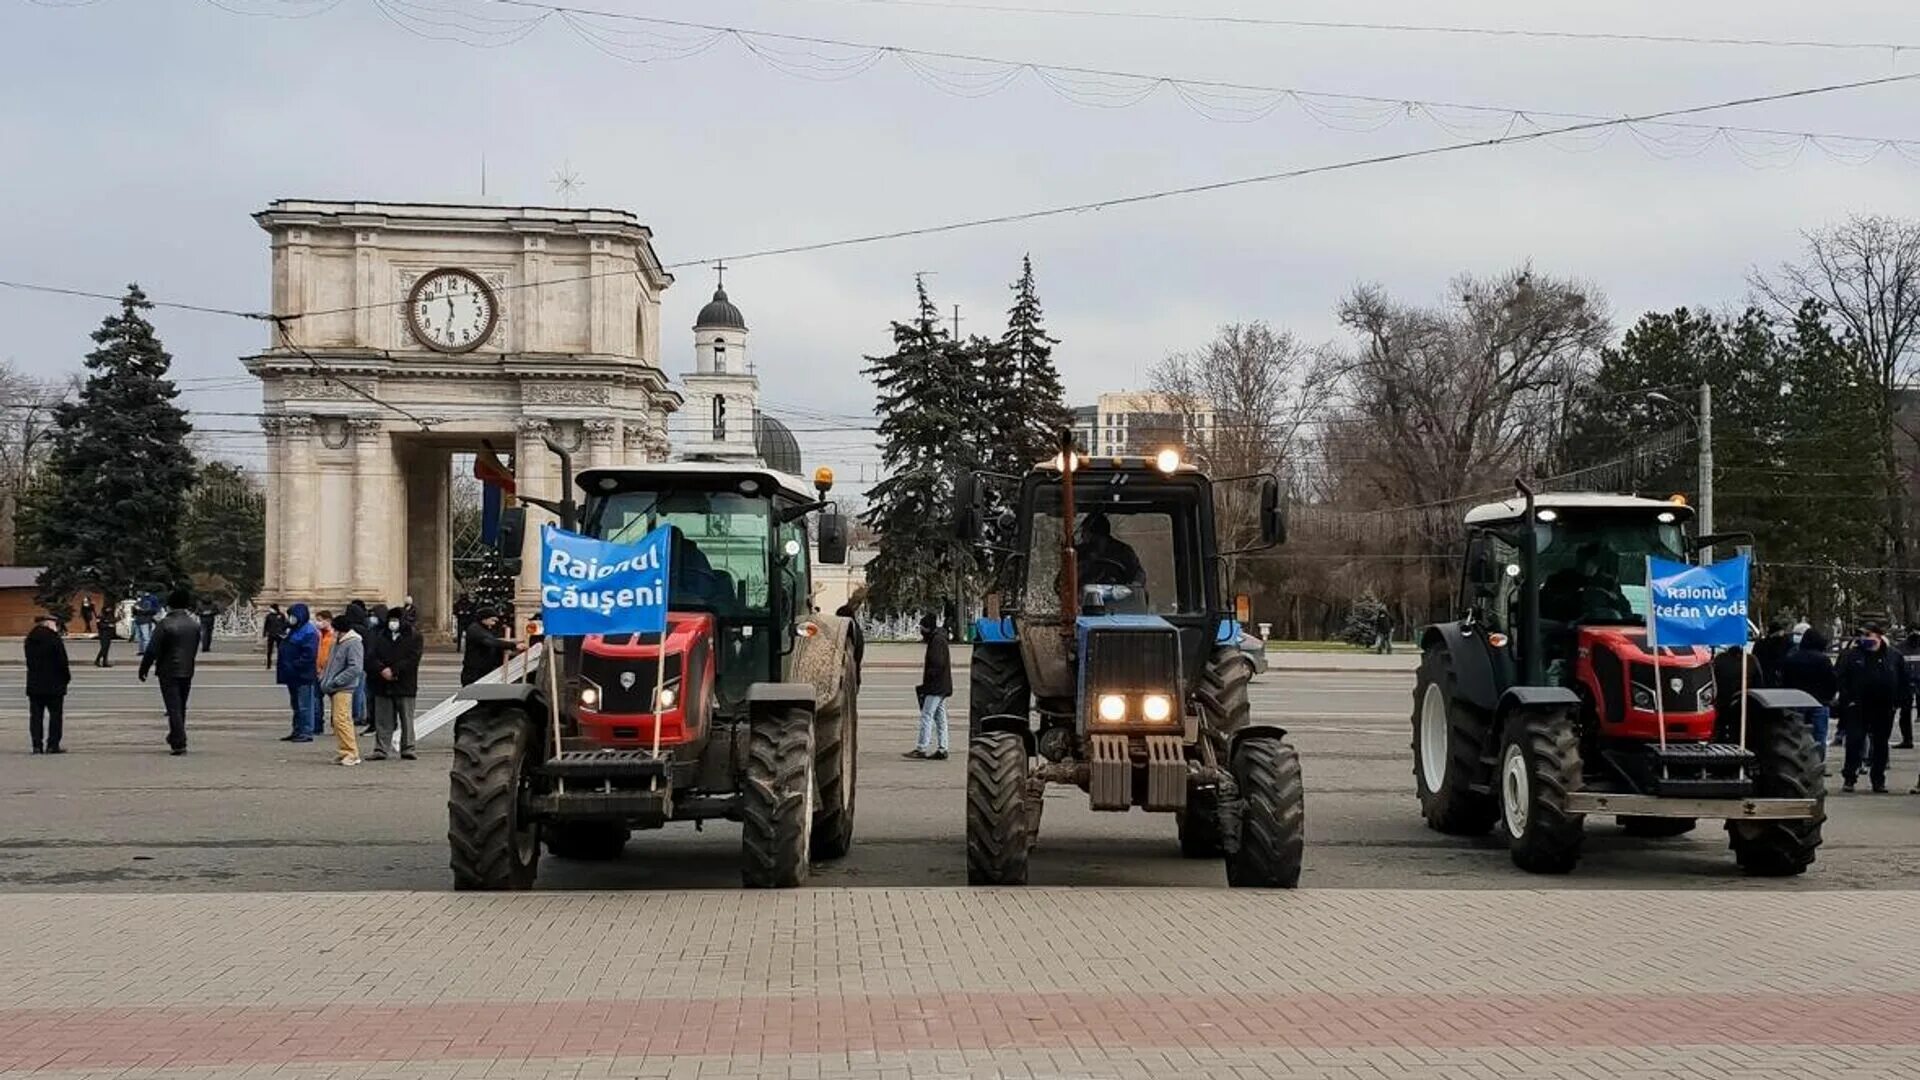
(1586, 592)
(1104, 560)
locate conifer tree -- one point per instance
(1028, 403)
(120, 467)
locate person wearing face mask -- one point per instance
(393, 667)
(1873, 680)
(298, 669)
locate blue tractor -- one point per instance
(1115, 665)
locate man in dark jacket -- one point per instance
(1807, 668)
(208, 616)
(298, 669)
(1772, 650)
(86, 613)
(936, 686)
(274, 629)
(486, 647)
(47, 679)
(1873, 679)
(393, 665)
(175, 646)
(1910, 650)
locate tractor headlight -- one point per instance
(1156, 707)
(1643, 697)
(1112, 708)
(589, 696)
(665, 699)
(1707, 697)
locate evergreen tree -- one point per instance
(1029, 408)
(1362, 617)
(929, 422)
(224, 536)
(121, 468)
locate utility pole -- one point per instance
(1706, 466)
(956, 322)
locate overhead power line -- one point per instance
(1617, 36)
(647, 39)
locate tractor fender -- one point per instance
(1252, 729)
(1531, 698)
(1012, 725)
(1473, 677)
(765, 695)
(1760, 699)
(515, 692)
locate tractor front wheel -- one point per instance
(1539, 768)
(1786, 766)
(1656, 828)
(494, 845)
(1273, 815)
(999, 836)
(777, 801)
(586, 841)
(1446, 752)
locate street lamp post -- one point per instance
(1703, 426)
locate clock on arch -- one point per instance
(451, 310)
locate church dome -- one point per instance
(720, 314)
(775, 444)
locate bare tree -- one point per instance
(26, 436)
(1866, 273)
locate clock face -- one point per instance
(451, 310)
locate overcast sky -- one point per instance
(136, 136)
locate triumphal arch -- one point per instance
(413, 332)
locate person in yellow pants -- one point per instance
(346, 667)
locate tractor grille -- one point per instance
(1692, 681)
(615, 698)
(1124, 661)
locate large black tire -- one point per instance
(1221, 694)
(999, 836)
(777, 800)
(586, 841)
(996, 684)
(1273, 815)
(493, 845)
(1444, 784)
(836, 766)
(1656, 828)
(1786, 766)
(1539, 768)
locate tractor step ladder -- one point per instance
(610, 764)
(1701, 770)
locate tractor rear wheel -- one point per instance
(999, 837)
(1787, 766)
(996, 684)
(1539, 768)
(494, 845)
(1447, 737)
(586, 841)
(1655, 827)
(777, 799)
(1273, 815)
(836, 767)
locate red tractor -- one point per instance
(1545, 702)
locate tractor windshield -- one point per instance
(1137, 550)
(719, 559)
(1593, 569)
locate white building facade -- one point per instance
(1135, 422)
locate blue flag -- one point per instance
(589, 586)
(1698, 605)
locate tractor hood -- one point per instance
(1630, 643)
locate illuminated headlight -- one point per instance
(589, 696)
(1167, 460)
(665, 699)
(1112, 707)
(1642, 697)
(1156, 707)
(1707, 697)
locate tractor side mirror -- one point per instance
(833, 538)
(1481, 572)
(511, 538)
(1273, 514)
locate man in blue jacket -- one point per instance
(297, 669)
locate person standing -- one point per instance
(47, 677)
(936, 686)
(208, 616)
(297, 668)
(1773, 649)
(145, 611)
(462, 618)
(274, 629)
(86, 614)
(1807, 668)
(1873, 679)
(393, 666)
(106, 633)
(345, 672)
(1910, 651)
(1383, 633)
(486, 649)
(171, 653)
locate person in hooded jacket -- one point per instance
(393, 667)
(344, 675)
(1873, 679)
(1807, 667)
(296, 669)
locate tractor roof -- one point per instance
(1513, 508)
(705, 471)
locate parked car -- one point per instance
(1256, 649)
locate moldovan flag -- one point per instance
(488, 470)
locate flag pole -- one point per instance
(660, 654)
(1746, 660)
(1653, 648)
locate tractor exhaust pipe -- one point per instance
(1532, 670)
(1069, 557)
